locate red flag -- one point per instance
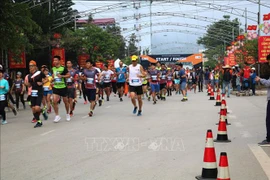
(254, 27)
(266, 17)
(249, 28)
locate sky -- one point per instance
(175, 31)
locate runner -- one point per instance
(135, 75)
(114, 81)
(154, 81)
(169, 82)
(98, 86)
(19, 90)
(4, 88)
(194, 79)
(183, 82)
(71, 88)
(163, 81)
(35, 81)
(107, 75)
(47, 88)
(9, 95)
(60, 88)
(121, 73)
(176, 79)
(89, 77)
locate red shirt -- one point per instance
(246, 72)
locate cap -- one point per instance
(32, 62)
(43, 66)
(253, 68)
(134, 58)
(19, 73)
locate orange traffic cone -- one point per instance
(222, 135)
(209, 170)
(212, 94)
(223, 170)
(209, 90)
(218, 99)
(223, 117)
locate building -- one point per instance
(102, 23)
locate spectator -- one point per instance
(227, 77)
(199, 75)
(206, 77)
(253, 82)
(267, 84)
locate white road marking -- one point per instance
(108, 107)
(230, 111)
(262, 158)
(47, 132)
(232, 116)
(85, 116)
(238, 124)
(245, 134)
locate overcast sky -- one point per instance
(171, 18)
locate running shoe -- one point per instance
(135, 110)
(68, 117)
(139, 113)
(34, 120)
(4, 122)
(39, 124)
(57, 119)
(90, 113)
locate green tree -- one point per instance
(218, 36)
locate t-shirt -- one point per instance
(246, 72)
(59, 83)
(33, 79)
(47, 85)
(107, 76)
(70, 81)
(154, 75)
(181, 73)
(206, 75)
(18, 84)
(163, 78)
(121, 74)
(90, 74)
(169, 77)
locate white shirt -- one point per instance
(134, 80)
(107, 76)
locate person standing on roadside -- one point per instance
(227, 77)
(266, 83)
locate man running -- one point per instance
(121, 79)
(169, 82)
(19, 88)
(135, 75)
(106, 75)
(71, 88)
(183, 82)
(59, 88)
(35, 80)
(89, 77)
(154, 81)
(163, 81)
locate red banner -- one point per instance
(59, 52)
(263, 48)
(99, 65)
(231, 58)
(82, 59)
(18, 62)
(226, 61)
(110, 64)
(250, 60)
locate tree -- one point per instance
(218, 36)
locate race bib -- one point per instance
(169, 78)
(46, 88)
(69, 80)
(107, 77)
(163, 77)
(154, 78)
(34, 93)
(18, 86)
(57, 80)
(2, 97)
(90, 80)
(135, 80)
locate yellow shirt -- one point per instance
(217, 76)
(48, 84)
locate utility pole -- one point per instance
(151, 30)
(245, 20)
(50, 50)
(259, 33)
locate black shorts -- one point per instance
(60, 92)
(120, 84)
(71, 93)
(91, 94)
(36, 101)
(162, 86)
(136, 89)
(106, 85)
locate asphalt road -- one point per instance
(166, 143)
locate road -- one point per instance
(114, 144)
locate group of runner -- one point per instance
(46, 90)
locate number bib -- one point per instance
(154, 78)
(34, 93)
(46, 88)
(2, 97)
(57, 80)
(163, 77)
(90, 81)
(107, 78)
(18, 86)
(169, 78)
(69, 80)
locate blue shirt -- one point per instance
(182, 72)
(253, 76)
(206, 76)
(4, 90)
(121, 74)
